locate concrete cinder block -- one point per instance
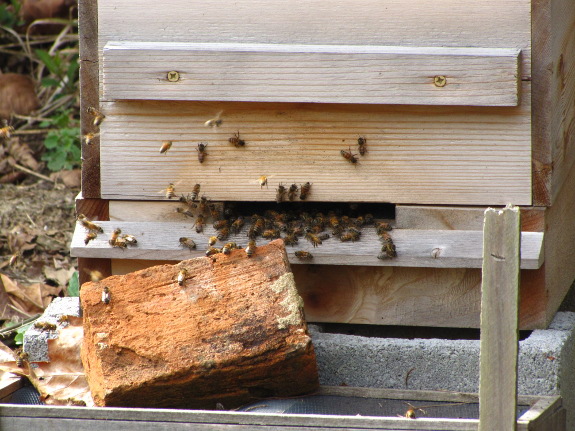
(546, 362)
(36, 340)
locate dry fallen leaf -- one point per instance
(62, 380)
(30, 299)
(70, 179)
(60, 275)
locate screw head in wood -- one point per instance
(439, 80)
(173, 76)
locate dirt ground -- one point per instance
(36, 227)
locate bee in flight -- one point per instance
(166, 145)
(236, 141)
(202, 151)
(98, 116)
(45, 326)
(216, 121)
(6, 132)
(347, 155)
(263, 181)
(88, 224)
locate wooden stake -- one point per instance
(499, 320)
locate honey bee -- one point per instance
(351, 235)
(171, 191)
(216, 121)
(63, 318)
(214, 211)
(89, 138)
(237, 225)
(195, 192)
(185, 212)
(182, 276)
(292, 192)
(313, 239)
(202, 151)
(6, 132)
(303, 255)
(220, 224)
(323, 236)
(45, 326)
(98, 116)
(361, 143)
(166, 145)
(89, 237)
(88, 224)
(188, 201)
(263, 181)
(304, 191)
(130, 239)
(227, 249)
(382, 227)
(21, 357)
(256, 228)
(95, 275)
(200, 222)
(347, 155)
(359, 221)
(120, 242)
(290, 239)
(114, 237)
(212, 250)
(212, 240)
(271, 233)
(223, 234)
(236, 140)
(368, 218)
(251, 248)
(203, 204)
(280, 192)
(387, 251)
(106, 297)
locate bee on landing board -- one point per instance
(98, 116)
(303, 255)
(236, 141)
(280, 193)
(89, 237)
(170, 191)
(195, 192)
(263, 181)
(347, 155)
(200, 222)
(202, 151)
(166, 145)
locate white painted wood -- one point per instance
(417, 248)
(499, 320)
(432, 155)
(310, 73)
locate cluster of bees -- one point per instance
(362, 148)
(97, 118)
(117, 239)
(290, 226)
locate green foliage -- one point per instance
(9, 14)
(63, 70)
(19, 338)
(63, 143)
(74, 285)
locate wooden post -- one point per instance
(499, 320)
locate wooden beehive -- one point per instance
(464, 105)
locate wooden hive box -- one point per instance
(463, 105)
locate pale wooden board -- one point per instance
(456, 249)
(433, 155)
(553, 24)
(461, 218)
(243, 72)
(499, 320)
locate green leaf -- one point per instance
(74, 285)
(19, 338)
(50, 82)
(51, 141)
(48, 60)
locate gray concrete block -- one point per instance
(36, 340)
(546, 362)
